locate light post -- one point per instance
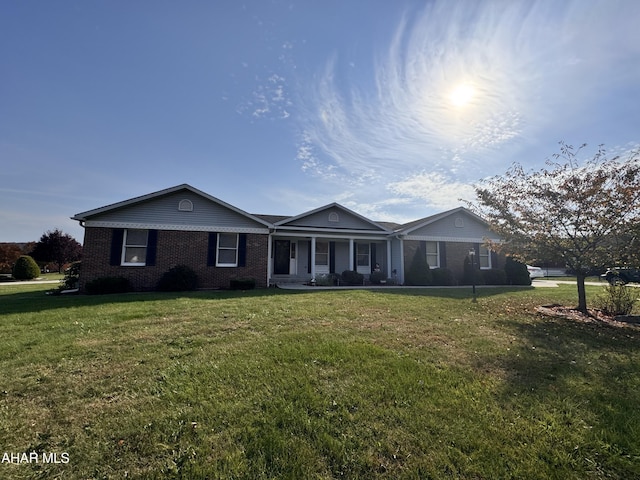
(472, 255)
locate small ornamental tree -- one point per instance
(586, 215)
(419, 272)
(26, 268)
(57, 247)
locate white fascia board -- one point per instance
(185, 228)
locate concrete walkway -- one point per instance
(30, 282)
(536, 283)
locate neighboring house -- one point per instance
(143, 237)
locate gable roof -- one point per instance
(114, 207)
(410, 227)
(346, 220)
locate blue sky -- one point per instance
(391, 108)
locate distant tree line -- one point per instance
(54, 250)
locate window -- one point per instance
(185, 205)
(134, 249)
(433, 255)
(362, 254)
(322, 253)
(227, 255)
(485, 257)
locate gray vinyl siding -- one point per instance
(321, 220)
(446, 228)
(396, 259)
(164, 210)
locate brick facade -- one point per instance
(173, 248)
(454, 256)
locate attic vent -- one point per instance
(459, 222)
(185, 205)
(333, 217)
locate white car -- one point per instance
(535, 272)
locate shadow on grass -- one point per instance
(579, 384)
(39, 300)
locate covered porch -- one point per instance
(296, 258)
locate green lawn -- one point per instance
(389, 384)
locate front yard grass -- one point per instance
(326, 384)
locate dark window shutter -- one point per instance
(332, 257)
(309, 258)
(242, 250)
(476, 247)
(152, 245)
(117, 236)
(373, 256)
(494, 259)
(355, 256)
(443, 254)
(211, 249)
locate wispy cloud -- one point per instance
(527, 67)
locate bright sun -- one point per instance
(461, 95)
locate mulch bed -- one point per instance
(594, 316)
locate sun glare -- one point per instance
(461, 95)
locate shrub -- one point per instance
(71, 276)
(178, 279)
(419, 272)
(442, 277)
(617, 300)
(326, 279)
(471, 275)
(494, 276)
(243, 284)
(517, 273)
(26, 268)
(107, 285)
(377, 277)
(351, 277)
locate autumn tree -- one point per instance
(58, 248)
(9, 253)
(585, 214)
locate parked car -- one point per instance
(535, 272)
(621, 276)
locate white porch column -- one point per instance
(269, 260)
(401, 266)
(388, 258)
(351, 254)
(313, 257)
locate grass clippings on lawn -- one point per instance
(333, 384)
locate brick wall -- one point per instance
(173, 248)
(456, 253)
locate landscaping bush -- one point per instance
(71, 276)
(326, 280)
(351, 277)
(377, 277)
(26, 268)
(107, 285)
(517, 273)
(442, 277)
(617, 300)
(243, 284)
(178, 279)
(494, 276)
(471, 275)
(419, 272)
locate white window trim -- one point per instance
(363, 268)
(125, 246)
(218, 248)
(437, 263)
(487, 255)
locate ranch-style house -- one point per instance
(143, 237)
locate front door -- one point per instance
(281, 257)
